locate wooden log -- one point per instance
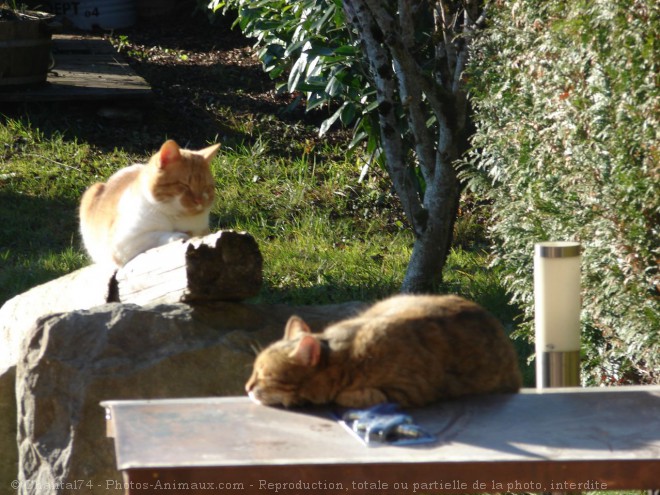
(224, 266)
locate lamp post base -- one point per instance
(559, 369)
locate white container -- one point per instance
(105, 14)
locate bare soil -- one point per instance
(208, 84)
(195, 69)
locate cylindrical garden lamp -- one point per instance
(557, 313)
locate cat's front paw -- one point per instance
(175, 236)
(364, 397)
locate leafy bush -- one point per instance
(567, 109)
(307, 47)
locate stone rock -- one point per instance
(70, 362)
(223, 266)
(17, 317)
(9, 456)
(18, 314)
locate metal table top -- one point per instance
(550, 435)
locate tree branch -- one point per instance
(387, 31)
(390, 134)
(448, 42)
(412, 97)
(436, 95)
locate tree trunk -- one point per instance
(431, 249)
(405, 85)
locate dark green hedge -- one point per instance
(567, 110)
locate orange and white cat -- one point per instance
(147, 205)
(412, 350)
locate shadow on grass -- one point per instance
(324, 294)
(38, 241)
(137, 127)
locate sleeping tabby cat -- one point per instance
(412, 350)
(144, 206)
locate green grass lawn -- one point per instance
(325, 236)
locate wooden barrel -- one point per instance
(24, 51)
(104, 14)
(150, 9)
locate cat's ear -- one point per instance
(168, 154)
(295, 327)
(307, 352)
(209, 152)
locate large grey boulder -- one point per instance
(18, 314)
(17, 318)
(8, 452)
(223, 266)
(70, 362)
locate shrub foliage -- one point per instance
(567, 109)
(307, 47)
